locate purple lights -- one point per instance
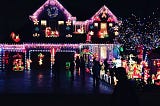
(47, 3)
(108, 12)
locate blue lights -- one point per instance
(1, 49)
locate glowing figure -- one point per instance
(15, 37)
(40, 57)
(158, 78)
(146, 75)
(17, 63)
(28, 63)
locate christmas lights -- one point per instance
(36, 14)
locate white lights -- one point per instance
(68, 22)
(96, 24)
(35, 22)
(60, 22)
(0, 58)
(102, 50)
(36, 35)
(43, 22)
(68, 35)
(110, 24)
(116, 33)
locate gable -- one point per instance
(105, 9)
(55, 3)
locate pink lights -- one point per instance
(47, 3)
(114, 18)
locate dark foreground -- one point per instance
(40, 89)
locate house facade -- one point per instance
(52, 22)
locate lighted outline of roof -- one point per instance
(49, 2)
(108, 11)
(53, 2)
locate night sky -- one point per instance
(15, 13)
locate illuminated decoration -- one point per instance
(36, 35)
(101, 11)
(68, 28)
(68, 22)
(136, 30)
(52, 55)
(116, 30)
(43, 22)
(35, 22)
(5, 59)
(80, 30)
(68, 65)
(110, 24)
(28, 61)
(96, 18)
(103, 51)
(17, 63)
(91, 33)
(68, 35)
(140, 52)
(80, 27)
(96, 24)
(118, 63)
(146, 75)
(50, 33)
(116, 52)
(116, 33)
(88, 38)
(86, 51)
(1, 58)
(110, 19)
(36, 29)
(86, 54)
(52, 11)
(104, 12)
(51, 3)
(40, 58)
(103, 26)
(91, 27)
(60, 22)
(103, 30)
(158, 78)
(52, 49)
(15, 37)
(42, 50)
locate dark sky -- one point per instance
(14, 13)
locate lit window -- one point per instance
(43, 22)
(103, 26)
(60, 22)
(103, 52)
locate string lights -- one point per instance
(144, 31)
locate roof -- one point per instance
(107, 11)
(58, 4)
(47, 3)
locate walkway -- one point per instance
(44, 83)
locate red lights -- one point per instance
(15, 37)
